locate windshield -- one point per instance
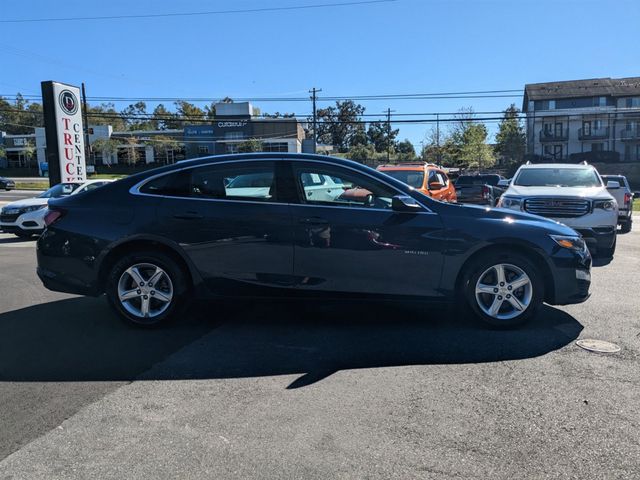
(60, 190)
(558, 177)
(413, 178)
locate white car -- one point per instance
(26, 217)
(573, 194)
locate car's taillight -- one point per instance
(52, 216)
(627, 198)
(485, 191)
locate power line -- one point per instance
(192, 14)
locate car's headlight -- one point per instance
(572, 243)
(509, 202)
(32, 208)
(607, 205)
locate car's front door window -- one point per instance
(334, 186)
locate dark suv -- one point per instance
(247, 225)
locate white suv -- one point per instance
(571, 194)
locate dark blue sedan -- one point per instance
(294, 224)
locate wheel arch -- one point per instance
(530, 252)
(145, 244)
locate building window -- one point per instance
(275, 147)
(203, 149)
(233, 135)
(602, 102)
(232, 148)
(632, 102)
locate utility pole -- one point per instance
(389, 133)
(313, 93)
(439, 156)
(87, 148)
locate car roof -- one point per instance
(407, 166)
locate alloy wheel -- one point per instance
(504, 291)
(145, 290)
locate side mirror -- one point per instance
(405, 203)
(435, 186)
(504, 182)
(611, 185)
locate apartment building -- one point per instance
(569, 119)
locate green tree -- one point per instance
(136, 117)
(21, 116)
(163, 119)
(3, 152)
(106, 147)
(132, 144)
(105, 114)
(251, 145)
(162, 145)
(405, 150)
(188, 113)
(28, 151)
(511, 141)
(338, 125)
(474, 150)
(382, 137)
(361, 152)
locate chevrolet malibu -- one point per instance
(253, 225)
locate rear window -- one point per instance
(558, 177)
(412, 178)
(469, 180)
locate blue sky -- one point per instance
(406, 46)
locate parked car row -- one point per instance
(573, 194)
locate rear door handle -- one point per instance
(314, 221)
(188, 216)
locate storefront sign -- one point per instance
(64, 133)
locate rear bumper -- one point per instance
(66, 284)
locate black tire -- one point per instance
(625, 227)
(608, 252)
(178, 281)
(481, 265)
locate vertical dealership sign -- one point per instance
(64, 133)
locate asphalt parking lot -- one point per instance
(317, 389)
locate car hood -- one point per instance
(590, 193)
(27, 202)
(509, 218)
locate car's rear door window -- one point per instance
(255, 181)
(347, 189)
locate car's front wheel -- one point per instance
(504, 290)
(146, 288)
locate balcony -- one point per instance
(630, 134)
(554, 137)
(593, 133)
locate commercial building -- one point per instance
(234, 124)
(568, 120)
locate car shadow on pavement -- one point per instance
(80, 339)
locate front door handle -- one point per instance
(314, 221)
(188, 216)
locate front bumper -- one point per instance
(30, 222)
(571, 277)
(598, 238)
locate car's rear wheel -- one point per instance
(504, 290)
(147, 288)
